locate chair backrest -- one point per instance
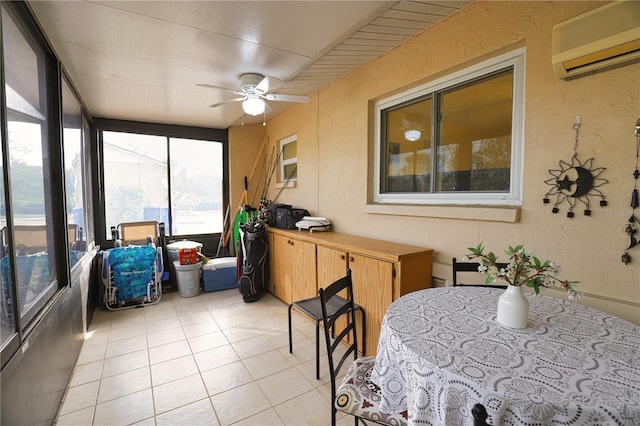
(472, 275)
(139, 233)
(330, 301)
(479, 414)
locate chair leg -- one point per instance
(290, 339)
(318, 349)
(364, 333)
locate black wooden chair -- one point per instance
(311, 308)
(357, 395)
(480, 415)
(469, 267)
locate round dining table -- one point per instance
(441, 351)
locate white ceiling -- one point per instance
(141, 60)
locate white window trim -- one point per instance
(516, 59)
(283, 162)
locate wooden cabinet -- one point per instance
(292, 268)
(382, 271)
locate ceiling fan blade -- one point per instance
(227, 102)
(269, 84)
(211, 86)
(300, 99)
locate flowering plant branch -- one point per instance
(524, 269)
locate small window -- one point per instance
(289, 160)
(457, 140)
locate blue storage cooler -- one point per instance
(220, 274)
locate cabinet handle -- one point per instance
(343, 257)
(351, 259)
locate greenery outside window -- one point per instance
(456, 140)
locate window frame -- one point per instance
(168, 132)
(514, 59)
(52, 127)
(283, 163)
(84, 234)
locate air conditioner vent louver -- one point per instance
(600, 39)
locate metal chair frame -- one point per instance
(472, 267)
(312, 308)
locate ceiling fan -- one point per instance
(254, 91)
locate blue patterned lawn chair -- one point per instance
(132, 276)
(32, 272)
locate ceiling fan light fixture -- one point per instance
(412, 135)
(253, 106)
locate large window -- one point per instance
(30, 259)
(457, 140)
(74, 173)
(88, 230)
(196, 186)
(7, 320)
(183, 189)
(135, 178)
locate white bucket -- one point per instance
(188, 278)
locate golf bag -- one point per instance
(253, 260)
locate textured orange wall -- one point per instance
(335, 158)
(244, 144)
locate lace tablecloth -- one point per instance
(441, 351)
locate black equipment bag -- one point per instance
(271, 212)
(286, 218)
(253, 261)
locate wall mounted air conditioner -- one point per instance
(603, 38)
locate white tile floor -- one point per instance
(205, 360)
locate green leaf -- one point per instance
(477, 251)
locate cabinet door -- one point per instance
(373, 290)
(280, 284)
(301, 269)
(332, 265)
(293, 269)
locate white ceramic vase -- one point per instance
(513, 308)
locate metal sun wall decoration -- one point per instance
(633, 219)
(575, 182)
